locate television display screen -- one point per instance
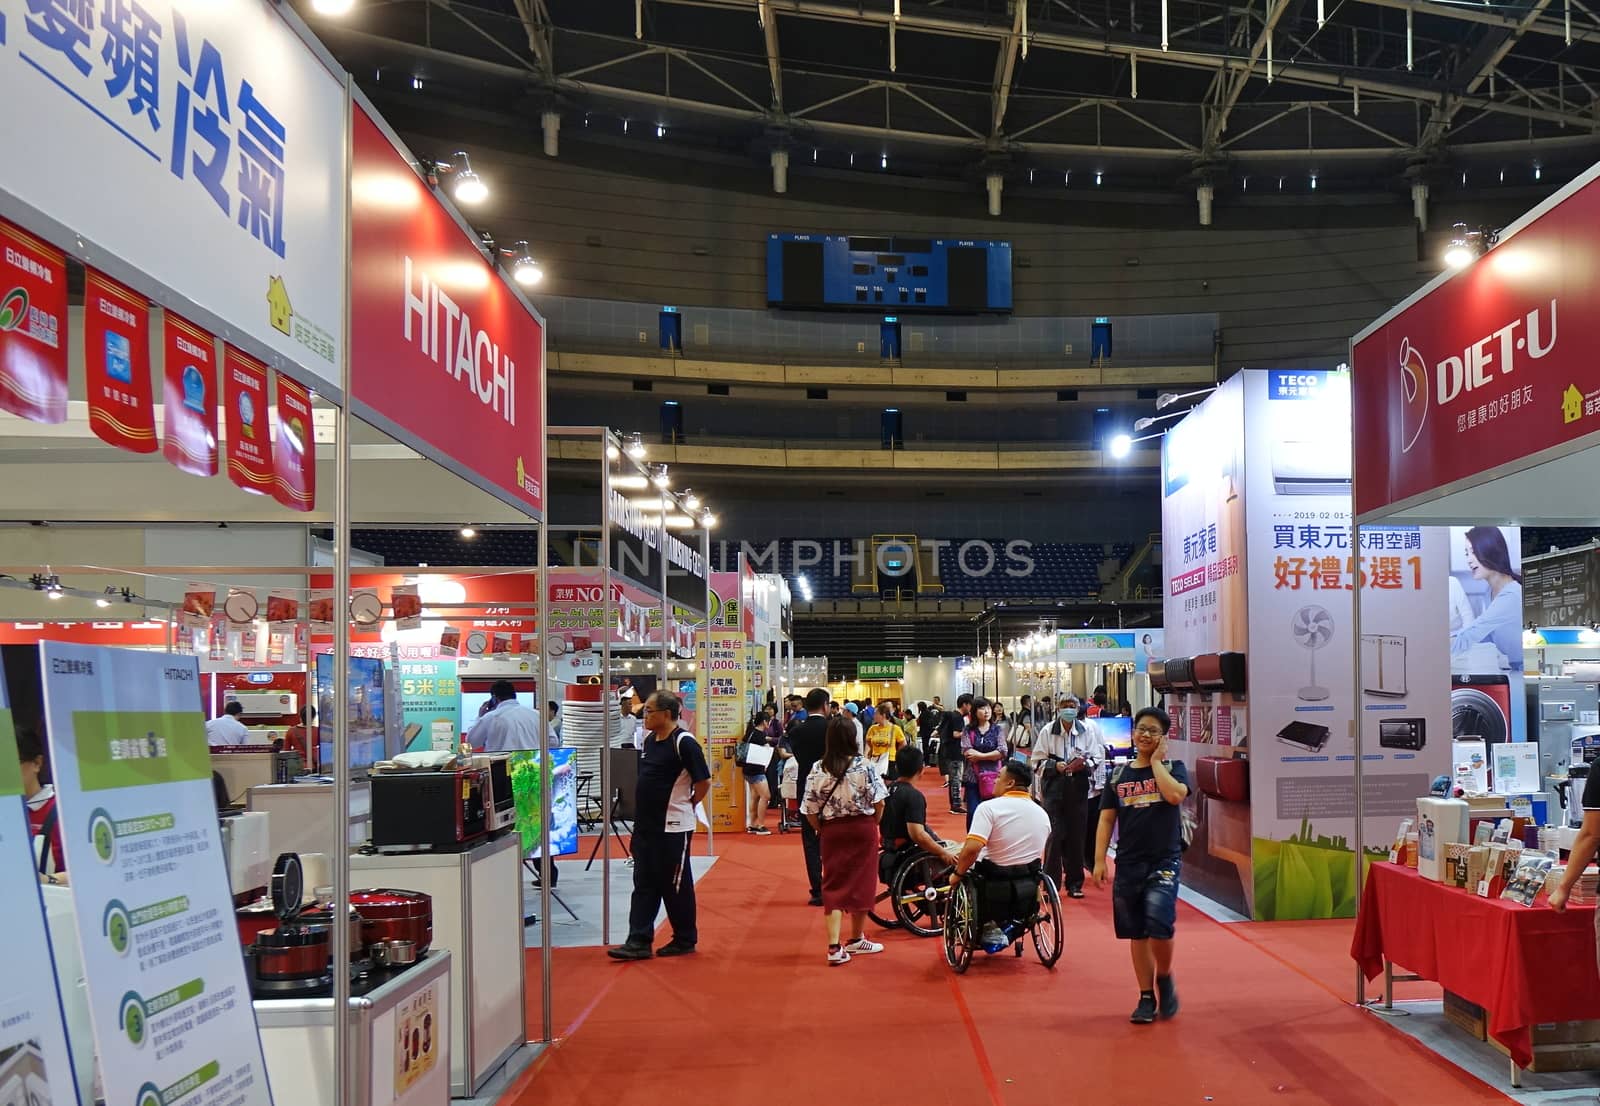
(1117, 733)
(365, 703)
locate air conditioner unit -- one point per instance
(1310, 467)
(265, 704)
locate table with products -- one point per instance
(1526, 966)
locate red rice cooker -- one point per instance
(320, 916)
(389, 914)
(292, 951)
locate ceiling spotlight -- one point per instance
(691, 502)
(1466, 246)
(1121, 446)
(660, 479)
(1141, 425)
(469, 187)
(524, 269)
(332, 7)
(468, 533)
(636, 448)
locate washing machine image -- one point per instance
(1480, 706)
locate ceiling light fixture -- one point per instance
(1467, 245)
(708, 520)
(1167, 399)
(468, 533)
(660, 478)
(469, 187)
(636, 448)
(691, 501)
(524, 269)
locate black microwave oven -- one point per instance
(429, 810)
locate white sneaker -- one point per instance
(863, 947)
(838, 956)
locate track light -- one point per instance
(708, 520)
(524, 269)
(469, 187)
(660, 478)
(1167, 399)
(1466, 246)
(691, 502)
(636, 448)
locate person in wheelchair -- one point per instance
(905, 818)
(1005, 851)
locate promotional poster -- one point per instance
(1203, 612)
(1486, 624)
(723, 676)
(168, 999)
(33, 1042)
(1305, 570)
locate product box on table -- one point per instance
(1456, 865)
(1467, 1016)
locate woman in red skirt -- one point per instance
(843, 802)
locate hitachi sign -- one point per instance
(444, 333)
(1478, 363)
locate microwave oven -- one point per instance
(500, 807)
(429, 810)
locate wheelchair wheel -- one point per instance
(960, 928)
(882, 911)
(917, 911)
(1046, 925)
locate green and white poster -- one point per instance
(34, 1058)
(430, 700)
(168, 999)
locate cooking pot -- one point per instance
(292, 951)
(388, 914)
(320, 916)
(255, 919)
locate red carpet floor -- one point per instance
(757, 1016)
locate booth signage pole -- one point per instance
(666, 604)
(546, 775)
(607, 621)
(1359, 837)
(342, 1022)
(702, 679)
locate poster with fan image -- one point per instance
(1305, 571)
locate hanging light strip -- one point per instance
(1410, 43)
(1163, 25)
(1133, 62)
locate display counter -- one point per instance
(243, 768)
(477, 917)
(302, 815)
(1525, 966)
(400, 1042)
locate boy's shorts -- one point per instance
(1144, 899)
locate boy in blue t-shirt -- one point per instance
(1142, 803)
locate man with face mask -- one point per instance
(1066, 754)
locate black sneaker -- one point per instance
(1145, 1012)
(630, 951)
(675, 947)
(1169, 996)
(1075, 892)
(815, 900)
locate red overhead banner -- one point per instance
(1490, 367)
(294, 451)
(116, 358)
(33, 320)
(244, 398)
(189, 396)
(441, 347)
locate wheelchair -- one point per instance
(1024, 905)
(914, 894)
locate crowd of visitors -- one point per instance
(1037, 786)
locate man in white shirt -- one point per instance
(861, 732)
(510, 726)
(226, 729)
(1007, 838)
(1067, 755)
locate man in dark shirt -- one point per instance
(1143, 803)
(950, 760)
(673, 779)
(905, 811)
(806, 742)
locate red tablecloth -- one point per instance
(1524, 965)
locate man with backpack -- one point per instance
(1143, 803)
(1066, 754)
(673, 780)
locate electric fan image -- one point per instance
(1312, 628)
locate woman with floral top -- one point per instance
(843, 802)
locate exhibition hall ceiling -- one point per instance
(1355, 94)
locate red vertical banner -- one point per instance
(294, 451)
(116, 357)
(189, 396)
(244, 403)
(33, 337)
